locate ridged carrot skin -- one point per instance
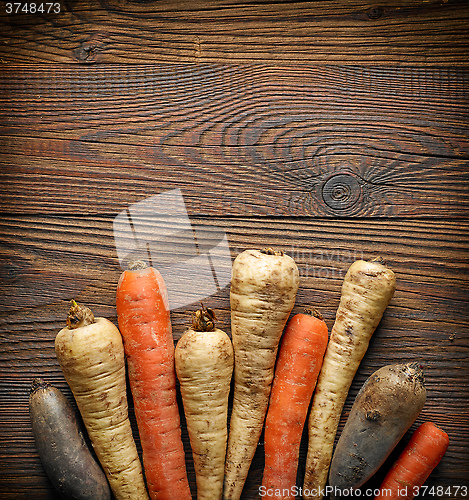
(414, 465)
(91, 355)
(144, 321)
(263, 291)
(299, 361)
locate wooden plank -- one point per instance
(48, 259)
(398, 32)
(238, 140)
(79, 253)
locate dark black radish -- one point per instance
(384, 409)
(64, 453)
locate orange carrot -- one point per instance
(144, 322)
(299, 362)
(422, 454)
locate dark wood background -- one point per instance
(333, 130)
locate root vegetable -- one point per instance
(385, 407)
(204, 366)
(366, 292)
(299, 362)
(91, 355)
(263, 291)
(63, 451)
(144, 321)
(422, 454)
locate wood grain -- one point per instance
(46, 260)
(303, 141)
(340, 133)
(398, 32)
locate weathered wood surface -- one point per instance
(239, 140)
(331, 163)
(401, 31)
(50, 259)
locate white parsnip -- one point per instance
(263, 291)
(204, 367)
(91, 354)
(366, 292)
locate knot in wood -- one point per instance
(90, 49)
(85, 53)
(341, 191)
(375, 12)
